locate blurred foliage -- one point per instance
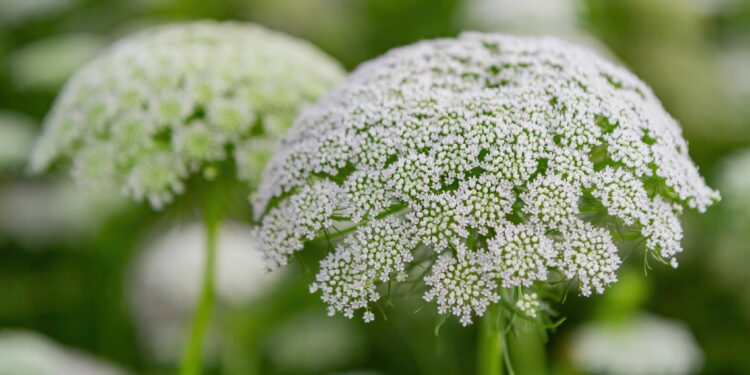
(668, 44)
(692, 52)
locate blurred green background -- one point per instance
(96, 281)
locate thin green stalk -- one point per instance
(191, 359)
(528, 351)
(490, 353)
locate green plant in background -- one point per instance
(664, 42)
(163, 287)
(16, 139)
(198, 105)
(493, 170)
(308, 342)
(18, 12)
(730, 257)
(45, 65)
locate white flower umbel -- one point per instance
(55, 211)
(377, 253)
(197, 105)
(158, 107)
(501, 159)
(463, 285)
(642, 345)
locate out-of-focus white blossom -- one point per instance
(47, 63)
(309, 343)
(14, 12)
(531, 16)
(30, 353)
(589, 255)
(170, 102)
(643, 345)
(503, 158)
(559, 18)
(715, 8)
(339, 26)
(166, 281)
(17, 134)
(42, 212)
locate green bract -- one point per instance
(170, 102)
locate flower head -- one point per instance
(160, 106)
(503, 160)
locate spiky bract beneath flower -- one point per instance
(167, 103)
(505, 162)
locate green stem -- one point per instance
(191, 359)
(490, 353)
(528, 352)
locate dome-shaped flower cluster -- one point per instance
(169, 102)
(508, 159)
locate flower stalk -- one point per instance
(191, 360)
(490, 351)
